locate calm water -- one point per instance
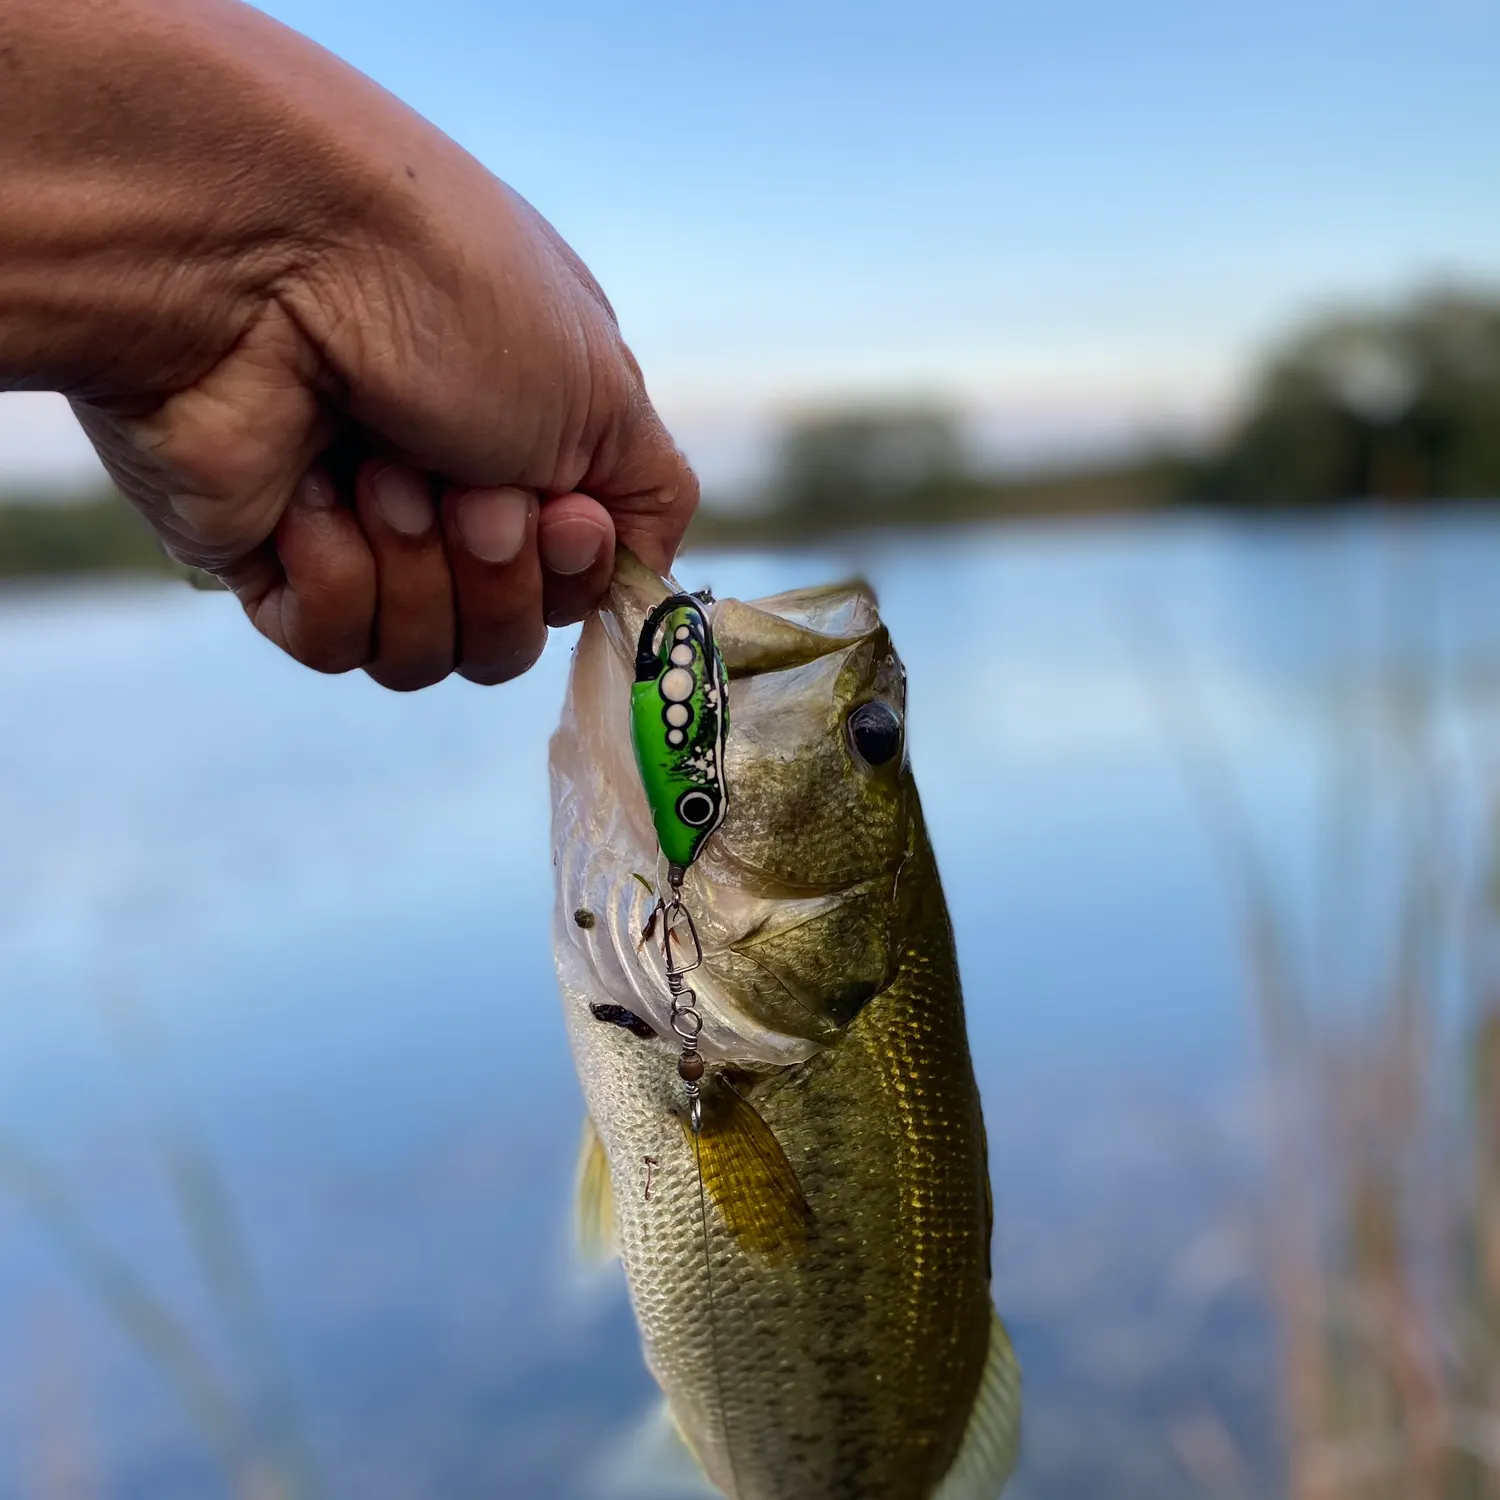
(290, 935)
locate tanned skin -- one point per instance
(330, 357)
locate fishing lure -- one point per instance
(679, 718)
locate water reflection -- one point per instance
(291, 933)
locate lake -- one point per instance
(287, 1119)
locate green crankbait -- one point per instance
(679, 717)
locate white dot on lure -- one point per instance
(675, 736)
(682, 633)
(678, 715)
(677, 685)
(682, 656)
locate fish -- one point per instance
(810, 1266)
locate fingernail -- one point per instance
(316, 492)
(402, 500)
(571, 546)
(492, 523)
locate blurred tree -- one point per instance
(844, 467)
(1397, 406)
(92, 534)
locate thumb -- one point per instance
(647, 485)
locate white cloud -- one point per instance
(41, 444)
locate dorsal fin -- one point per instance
(594, 1216)
(747, 1177)
(993, 1436)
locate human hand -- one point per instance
(332, 359)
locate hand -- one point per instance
(331, 358)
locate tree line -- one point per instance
(1398, 404)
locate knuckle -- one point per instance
(506, 663)
(331, 653)
(489, 675)
(406, 677)
(329, 663)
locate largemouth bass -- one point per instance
(810, 1267)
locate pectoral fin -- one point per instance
(993, 1436)
(747, 1177)
(595, 1210)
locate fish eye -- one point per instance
(875, 733)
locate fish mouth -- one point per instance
(607, 851)
(723, 914)
(770, 635)
(634, 591)
(754, 1009)
(750, 639)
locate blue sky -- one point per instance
(1070, 215)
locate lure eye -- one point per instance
(875, 733)
(696, 808)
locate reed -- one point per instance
(1376, 998)
(242, 1406)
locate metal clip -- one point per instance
(679, 931)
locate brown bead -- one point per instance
(690, 1067)
(584, 918)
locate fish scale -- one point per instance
(897, 1186)
(852, 1358)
